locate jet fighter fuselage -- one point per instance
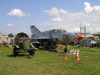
(54, 36)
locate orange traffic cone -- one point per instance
(73, 57)
(68, 46)
(65, 58)
(77, 57)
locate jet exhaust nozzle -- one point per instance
(79, 37)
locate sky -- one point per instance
(18, 15)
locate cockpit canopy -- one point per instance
(58, 31)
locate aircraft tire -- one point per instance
(37, 45)
(47, 48)
(15, 52)
(31, 52)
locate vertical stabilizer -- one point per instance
(34, 30)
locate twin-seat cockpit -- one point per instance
(55, 31)
(58, 31)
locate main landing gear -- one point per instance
(65, 50)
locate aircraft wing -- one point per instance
(40, 37)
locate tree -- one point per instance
(10, 35)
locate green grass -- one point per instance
(50, 63)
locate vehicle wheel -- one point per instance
(15, 52)
(31, 52)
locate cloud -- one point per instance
(63, 11)
(70, 21)
(9, 25)
(88, 8)
(52, 12)
(55, 12)
(17, 13)
(56, 19)
(67, 20)
(91, 10)
(86, 24)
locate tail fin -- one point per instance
(34, 30)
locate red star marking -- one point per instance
(34, 30)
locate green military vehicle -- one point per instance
(23, 44)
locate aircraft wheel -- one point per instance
(37, 45)
(31, 52)
(15, 52)
(47, 48)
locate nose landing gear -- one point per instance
(65, 50)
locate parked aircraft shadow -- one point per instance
(50, 50)
(44, 49)
(21, 55)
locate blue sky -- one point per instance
(18, 15)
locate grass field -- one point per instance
(50, 63)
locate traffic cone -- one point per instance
(65, 58)
(68, 46)
(73, 57)
(77, 57)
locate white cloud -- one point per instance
(55, 12)
(75, 29)
(56, 19)
(70, 21)
(88, 8)
(91, 10)
(86, 24)
(52, 12)
(69, 28)
(17, 12)
(9, 25)
(63, 11)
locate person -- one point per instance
(65, 50)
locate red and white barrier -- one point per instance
(77, 57)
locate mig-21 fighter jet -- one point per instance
(50, 38)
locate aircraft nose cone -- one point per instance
(79, 37)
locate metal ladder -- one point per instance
(4, 40)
